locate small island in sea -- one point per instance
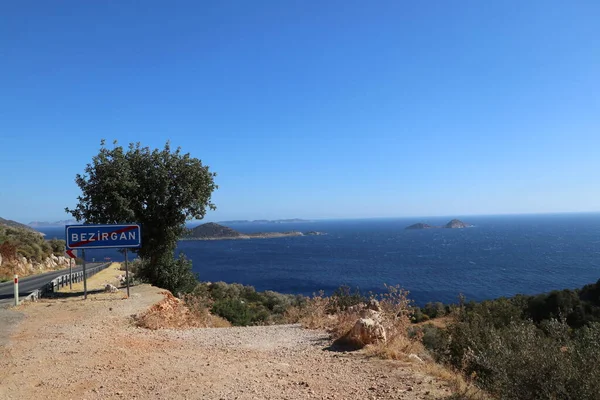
(213, 231)
(265, 221)
(454, 224)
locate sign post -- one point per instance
(84, 275)
(103, 237)
(73, 255)
(127, 272)
(16, 290)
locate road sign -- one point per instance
(72, 253)
(103, 236)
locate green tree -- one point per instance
(159, 189)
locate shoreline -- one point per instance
(266, 235)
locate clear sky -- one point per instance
(314, 109)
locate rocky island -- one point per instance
(420, 225)
(454, 224)
(213, 231)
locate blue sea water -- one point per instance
(499, 256)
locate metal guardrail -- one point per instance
(55, 284)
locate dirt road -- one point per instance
(75, 349)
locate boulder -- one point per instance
(365, 331)
(373, 304)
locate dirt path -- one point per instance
(75, 349)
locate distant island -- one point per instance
(213, 231)
(454, 224)
(265, 221)
(37, 224)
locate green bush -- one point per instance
(343, 297)
(243, 305)
(21, 242)
(514, 357)
(434, 310)
(240, 313)
(58, 246)
(174, 275)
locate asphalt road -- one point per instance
(31, 283)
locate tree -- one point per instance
(159, 189)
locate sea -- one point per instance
(498, 256)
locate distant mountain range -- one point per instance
(37, 224)
(265, 221)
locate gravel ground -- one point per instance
(8, 322)
(75, 349)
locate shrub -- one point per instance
(57, 246)
(174, 275)
(243, 305)
(240, 313)
(513, 357)
(343, 297)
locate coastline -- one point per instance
(264, 235)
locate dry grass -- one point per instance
(173, 313)
(395, 310)
(462, 389)
(97, 281)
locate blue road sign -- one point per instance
(103, 236)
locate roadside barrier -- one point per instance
(55, 284)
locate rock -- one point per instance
(365, 331)
(373, 304)
(420, 225)
(110, 288)
(457, 224)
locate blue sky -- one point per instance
(310, 109)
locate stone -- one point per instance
(365, 331)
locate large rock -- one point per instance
(365, 331)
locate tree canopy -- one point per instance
(160, 189)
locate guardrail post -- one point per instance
(16, 284)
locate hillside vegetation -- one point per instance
(14, 224)
(211, 230)
(525, 347)
(17, 242)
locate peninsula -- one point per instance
(213, 231)
(453, 224)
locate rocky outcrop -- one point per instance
(457, 224)
(454, 224)
(420, 225)
(25, 267)
(365, 331)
